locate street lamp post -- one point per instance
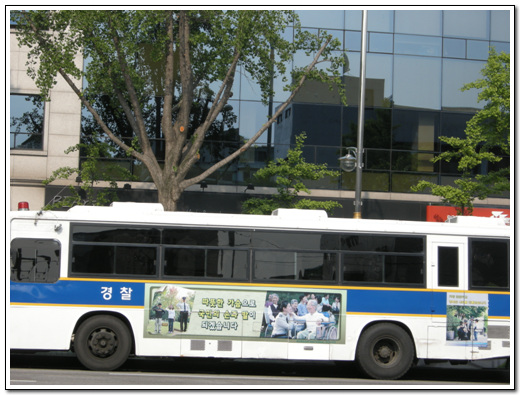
(361, 118)
(354, 157)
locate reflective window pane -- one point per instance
(321, 123)
(26, 112)
(253, 115)
(412, 161)
(377, 128)
(380, 21)
(500, 21)
(35, 260)
(467, 24)
(92, 259)
(414, 130)
(454, 48)
(378, 85)
(448, 266)
(478, 49)
(376, 159)
(115, 234)
(135, 260)
(417, 45)
(332, 19)
(274, 265)
(417, 82)
(455, 74)
(452, 125)
(379, 42)
(418, 22)
(371, 181)
(489, 266)
(248, 88)
(352, 41)
(500, 47)
(353, 19)
(187, 262)
(353, 65)
(402, 182)
(336, 34)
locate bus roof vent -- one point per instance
(294, 213)
(137, 207)
(498, 218)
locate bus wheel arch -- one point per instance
(103, 340)
(385, 350)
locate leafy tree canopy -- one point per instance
(290, 175)
(185, 57)
(487, 142)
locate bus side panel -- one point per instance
(41, 327)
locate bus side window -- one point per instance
(489, 263)
(448, 266)
(35, 260)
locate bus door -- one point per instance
(448, 280)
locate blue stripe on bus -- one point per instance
(132, 293)
(103, 292)
(391, 301)
(414, 302)
(499, 305)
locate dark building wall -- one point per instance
(231, 203)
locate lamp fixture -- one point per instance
(348, 162)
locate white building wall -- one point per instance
(61, 130)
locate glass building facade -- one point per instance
(416, 65)
(417, 62)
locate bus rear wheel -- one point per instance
(102, 342)
(385, 352)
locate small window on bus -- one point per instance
(448, 266)
(294, 240)
(208, 263)
(382, 243)
(35, 260)
(205, 237)
(383, 268)
(489, 260)
(113, 260)
(115, 234)
(295, 265)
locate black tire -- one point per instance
(385, 352)
(102, 342)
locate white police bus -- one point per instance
(106, 282)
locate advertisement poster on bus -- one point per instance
(467, 319)
(311, 315)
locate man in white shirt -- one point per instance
(313, 320)
(184, 312)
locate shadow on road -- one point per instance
(323, 369)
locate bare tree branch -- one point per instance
(245, 147)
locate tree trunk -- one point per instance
(168, 196)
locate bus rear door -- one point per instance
(448, 280)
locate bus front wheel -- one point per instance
(102, 342)
(385, 351)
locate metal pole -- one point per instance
(361, 118)
(270, 108)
